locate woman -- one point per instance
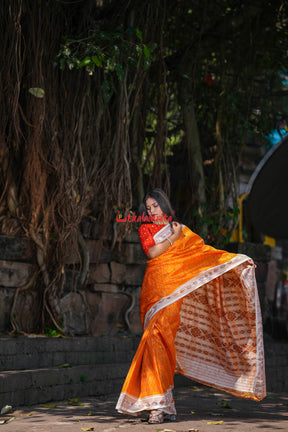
(201, 317)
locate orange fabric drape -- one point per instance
(200, 312)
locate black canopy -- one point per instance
(267, 201)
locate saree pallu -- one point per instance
(200, 311)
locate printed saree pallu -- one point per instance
(201, 316)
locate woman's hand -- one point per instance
(160, 248)
(177, 229)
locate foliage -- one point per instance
(114, 52)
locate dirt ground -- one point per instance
(199, 409)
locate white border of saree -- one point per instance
(131, 405)
(194, 283)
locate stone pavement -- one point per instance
(199, 408)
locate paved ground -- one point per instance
(199, 408)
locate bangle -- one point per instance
(169, 241)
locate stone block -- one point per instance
(54, 344)
(135, 325)
(123, 356)
(6, 301)
(27, 310)
(31, 397)
(122, 343)
(104, 344)
(98, 253)
(83, 344)
(45, 360)
(110, 314)
(15, 248)
(8, 362)
(99, 273)
(132, 237)
(75, 314)
(14, 274)
(136, 342)
(130, 253)
(118, 272)
(12, 398)
(15, 381)
(134, 274)
(72, 280)
(98, 288)
(58, 358)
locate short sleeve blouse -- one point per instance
(146, 234)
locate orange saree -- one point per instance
(201, 317)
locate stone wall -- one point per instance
(107, 302)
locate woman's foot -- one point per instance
(156, 417)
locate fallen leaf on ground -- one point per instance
(223, 404)
(7, 420)
(6, 409)
(192, 412)
(193, 430)
(75, 401)
(88, 429)
(48, 406)
(165, 430)
(214, 422)
(10, 419)
(90, 413)
(64, 365)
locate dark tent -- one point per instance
(267, 200)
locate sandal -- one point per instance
(170, 417)
(156, 417)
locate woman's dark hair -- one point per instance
(160, 196)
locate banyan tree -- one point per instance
(101, 100)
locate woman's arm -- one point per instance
(160, 248)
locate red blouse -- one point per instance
(146, 233)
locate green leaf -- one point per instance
(139, 34)
(97, 60)
(64, 365)
(37, 92)
(147, 51)
(83, 378)
(86, 61)
(224, 404)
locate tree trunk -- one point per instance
(195, 160)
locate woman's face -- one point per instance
(153, 209)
